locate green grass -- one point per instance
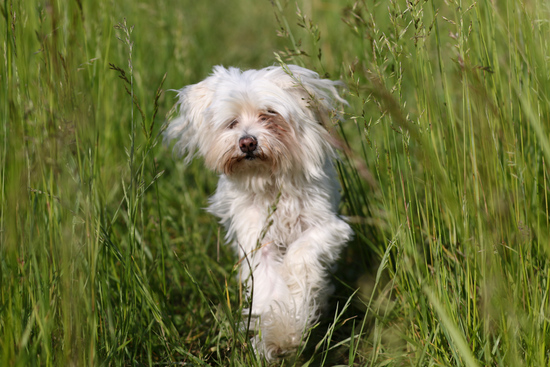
(108, 258)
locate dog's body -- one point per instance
(277, 196)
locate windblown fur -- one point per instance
(264, 132)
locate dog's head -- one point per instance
(269, 121)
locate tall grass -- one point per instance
(107, 257)
(459, 148)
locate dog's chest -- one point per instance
(282, 220)
(268, 217)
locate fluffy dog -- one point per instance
(264, 132)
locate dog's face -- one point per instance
(257, 122)
(253, 140)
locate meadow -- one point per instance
(107, 257)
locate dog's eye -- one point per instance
(265, 118)
(272, 112)
(233, 124)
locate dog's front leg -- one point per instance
(271, 304)
(261, 274)
(260, 261)
(306, 263)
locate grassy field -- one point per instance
(108, 258)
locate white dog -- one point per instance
(263, 132)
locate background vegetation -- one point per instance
(107, 258)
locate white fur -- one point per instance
(278, 203)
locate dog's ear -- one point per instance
(186, 127)
(320, 95)
(318, 99)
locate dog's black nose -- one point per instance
(248, 144)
